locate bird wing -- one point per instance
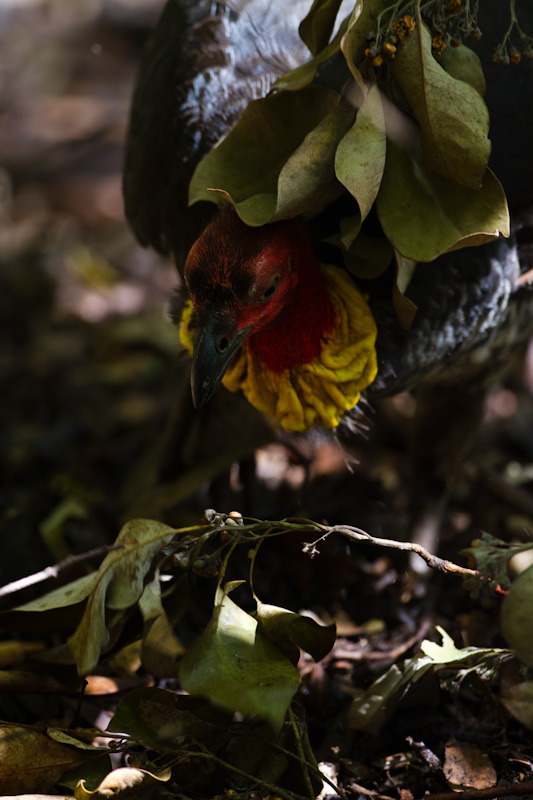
(202, 65)
(206, 61)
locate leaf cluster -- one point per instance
(241, 662)
(408, 139)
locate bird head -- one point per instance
(247, 283)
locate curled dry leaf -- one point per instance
(425, 215)
(161, 648)
(466, 766)
(293, 632)
(316, 28)
(119, 585)
(32, 761)
(121, 783)
(278, 161)
(360, 156)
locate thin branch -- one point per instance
(434, 562)
(265, 529)
(53, 572)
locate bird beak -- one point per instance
(215, 344)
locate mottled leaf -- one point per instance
(30, 761)
(278, 160)
(463, 65)
(452, 115)
(119, 585)
(360, 157)
(466, 766)
(424, 215)
(307, 181)
(237, 668)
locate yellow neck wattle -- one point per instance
(320, 392)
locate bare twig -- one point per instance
(251, 529)
(52, 572)
(356, 534)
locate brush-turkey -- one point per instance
(368, 154)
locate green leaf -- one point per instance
(463, 65)
(424, 215)
(362, 21)
(303, 75)
(360, 157)
(446, 652)
(92, 772)
(368, 257)
(278, 161)
(452, 115)
(293, 632)
(492, 556)
(405, 309)
(161, 648)
(371, 711)
(316, 28)
(158, 717)
(260, 754)
(31, 761)
(70, 594)
(364, 256)
(237, 668)
(518, 700)
(517, 616)
(349, 231)
(119, 585)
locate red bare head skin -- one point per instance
(266, 280)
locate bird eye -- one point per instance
(271, 289)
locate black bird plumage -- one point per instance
(206, 61)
